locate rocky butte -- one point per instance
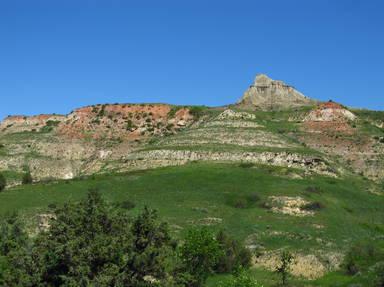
(267, 94)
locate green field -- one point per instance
(194, 194)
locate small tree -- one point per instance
(199, 255)
(27, 178)
(235, 255)
(3, 182)
(286, 259)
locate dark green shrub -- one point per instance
(313, 189)
(46, 129)
(253, 197)
(51, 123)
(170, 126)
(12, 235)
(244, 201)
(197, 111)
(3, 182)
(27, 178)
(313, 206)
(240, 203)
(361, 256)
(130, 125)
(96, 121)
(102, 111)
(91, 243)
(246, 164)
(235, 254)
(126, 204)
(172, 112)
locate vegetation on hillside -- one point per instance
(200, 196)
(92, 244)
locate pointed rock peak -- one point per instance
(262, 80)
(268, 94)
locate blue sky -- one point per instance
(59, 55)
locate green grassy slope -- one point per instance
(191, 194)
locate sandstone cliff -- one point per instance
(268, 94)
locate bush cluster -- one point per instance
(244, 201)
(362, 255)
(27, 178)
(92, 243)
(235, 255)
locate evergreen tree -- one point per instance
(90, 244)
(234, 256)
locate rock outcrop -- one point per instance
(157, 158)
(119, 121)
(124, 121)
(330, 112)
(268, 94)
(329, 117)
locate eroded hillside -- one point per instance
(327, 139)
(272, 124)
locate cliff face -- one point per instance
(124, 121)
(268, 94)
(104, 121)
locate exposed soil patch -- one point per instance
(309, 266)
(127, 122)
(329, 117)
(294, 206)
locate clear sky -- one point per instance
(62, 54)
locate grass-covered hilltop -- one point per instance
(275, 190)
